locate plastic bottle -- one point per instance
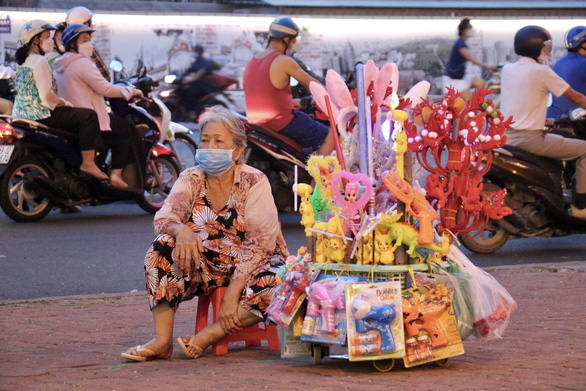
(412, 349)
(425, 346)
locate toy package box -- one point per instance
(375, 321)
(431, 329)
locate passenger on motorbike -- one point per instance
(82, 15)
(36, 100)
(571, 68)
(267, 90)
(7, 74)
(58, 48)
(79, 81)
(525, 88)
(197, 78)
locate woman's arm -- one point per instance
(469, 57)
(44, 80)
(94, 79)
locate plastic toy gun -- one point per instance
(419, 316)
(321, 302)
(375, 318)
(415, 203)
(295, 283)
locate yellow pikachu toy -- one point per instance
(336, 250)
(320, 242)
(384, 251)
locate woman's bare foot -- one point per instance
(153, 349)
(94, 171)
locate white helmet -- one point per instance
(78, 15)
(32, 28)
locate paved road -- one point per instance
(101, 249)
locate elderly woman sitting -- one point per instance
(217, 228)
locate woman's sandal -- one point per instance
(190, 343)
(139, 348)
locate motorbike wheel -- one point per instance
(492, 238)
(162, 173)
(18, 202)
(186, 148)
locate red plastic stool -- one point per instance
(251, 335)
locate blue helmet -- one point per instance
(283, 26)
(73, 31)
(575, 37)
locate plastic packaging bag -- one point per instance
(460, 294)
(493, 305)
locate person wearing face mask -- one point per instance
(267, 89)
(217, 228)
(525, 88)
(36, 99)
(79, 81)
(456, 65)
(82, 15)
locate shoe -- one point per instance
(95, 172)
(578, 213)
(117, 181)
(190, 343)
(139, 348)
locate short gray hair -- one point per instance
(220, 114)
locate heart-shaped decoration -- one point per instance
(323, 169)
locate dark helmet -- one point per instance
(198, 48)
(574, 38)
(529, 41)
(73, 31)
(283, 26)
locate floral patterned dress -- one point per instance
(226, 239)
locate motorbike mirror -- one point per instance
(116, 66)
(143, 71)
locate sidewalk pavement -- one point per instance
(75, 343)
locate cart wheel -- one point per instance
(441, 363)
(317, 354)
(384, 365)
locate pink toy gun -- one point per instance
(415, 203)
(321, 302)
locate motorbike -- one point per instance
(175, 136)
(39, 167)
(539, 192)
(276, 156)
(175, 94)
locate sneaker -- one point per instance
(578, 213)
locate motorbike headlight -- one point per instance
(165, 94)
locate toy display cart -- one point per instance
(365, 281)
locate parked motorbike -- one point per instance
(276, 156)
(176, 95)
(177, 137)
(539, 191)
(39, 167)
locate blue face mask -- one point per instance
(214, 161)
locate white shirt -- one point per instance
(525, 88)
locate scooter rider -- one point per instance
(267, 90)
(571, 68)
(79, 81)
(197, 78)
(525, 88)
(36, 100)
(82, 15)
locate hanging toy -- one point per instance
(350, 203)
(323, 170)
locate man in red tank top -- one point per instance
(267, 90)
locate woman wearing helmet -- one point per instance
(525, 88)
(571, 68)
(79, 81)
(36, 100)
(82, 15)
(267, 90)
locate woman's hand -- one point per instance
(229, 308)
(188, 247)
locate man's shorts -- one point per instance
(309, 133)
